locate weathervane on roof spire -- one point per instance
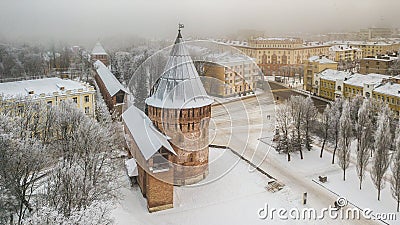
(180, 26)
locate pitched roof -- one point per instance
(109, 80)
(179, 85)
(148, 139)
(98, 50)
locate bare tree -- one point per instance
(69, 171)
(364, 136)
(325, 125)
(395, 180)
(382, 144)
(296, 112)
(22, 163)
(309, 112)
(283, 122)
(355, 105)
(335, 114)
(345, 135)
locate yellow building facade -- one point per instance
(271, 54)
(234, 74)
(340, 53)
(49, 90)
(389, 92)
(329, 83)
(314, 65)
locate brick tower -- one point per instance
(181, 109)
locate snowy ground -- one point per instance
(234, 198)
(312, 166)
(289, 81)
(219, 100)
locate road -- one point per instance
(281, 92)
(240, 124)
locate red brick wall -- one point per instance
(188, 129)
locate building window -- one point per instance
(75, 99)
(120, 98)
(87, 98)
(49, 102)
(87, 110)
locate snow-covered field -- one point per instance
(232, 194)
(233, 198)
(313, 166)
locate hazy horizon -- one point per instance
(90, 20)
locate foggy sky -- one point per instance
(97, 19)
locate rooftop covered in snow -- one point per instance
(389, 88)
(340, 48)
(41, 88)
(111, 83)
(360, 79)
(321, 60)
(148, 139)
(179, 85)
(334, 75)
(227, 58)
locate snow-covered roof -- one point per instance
(179, 85)
(384, 58)
(108, 78)
(389, 88)
(227, 58)
(334, 75)
(360, 79)
(339, 48)
(98, 50)
(372, 43)
(321, 60)
(276, 39)
(46, 86)
(131, 167)
(148, 139)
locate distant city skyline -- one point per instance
(98, 19)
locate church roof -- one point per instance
(98, 50)
(179, 85)
(111, 83)
(148, 139)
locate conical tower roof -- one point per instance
(98, 49)
(179, 85)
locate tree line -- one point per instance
(365, 122)
(58, 165)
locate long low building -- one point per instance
(113, 92)
(331, 84)
(50, 90)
